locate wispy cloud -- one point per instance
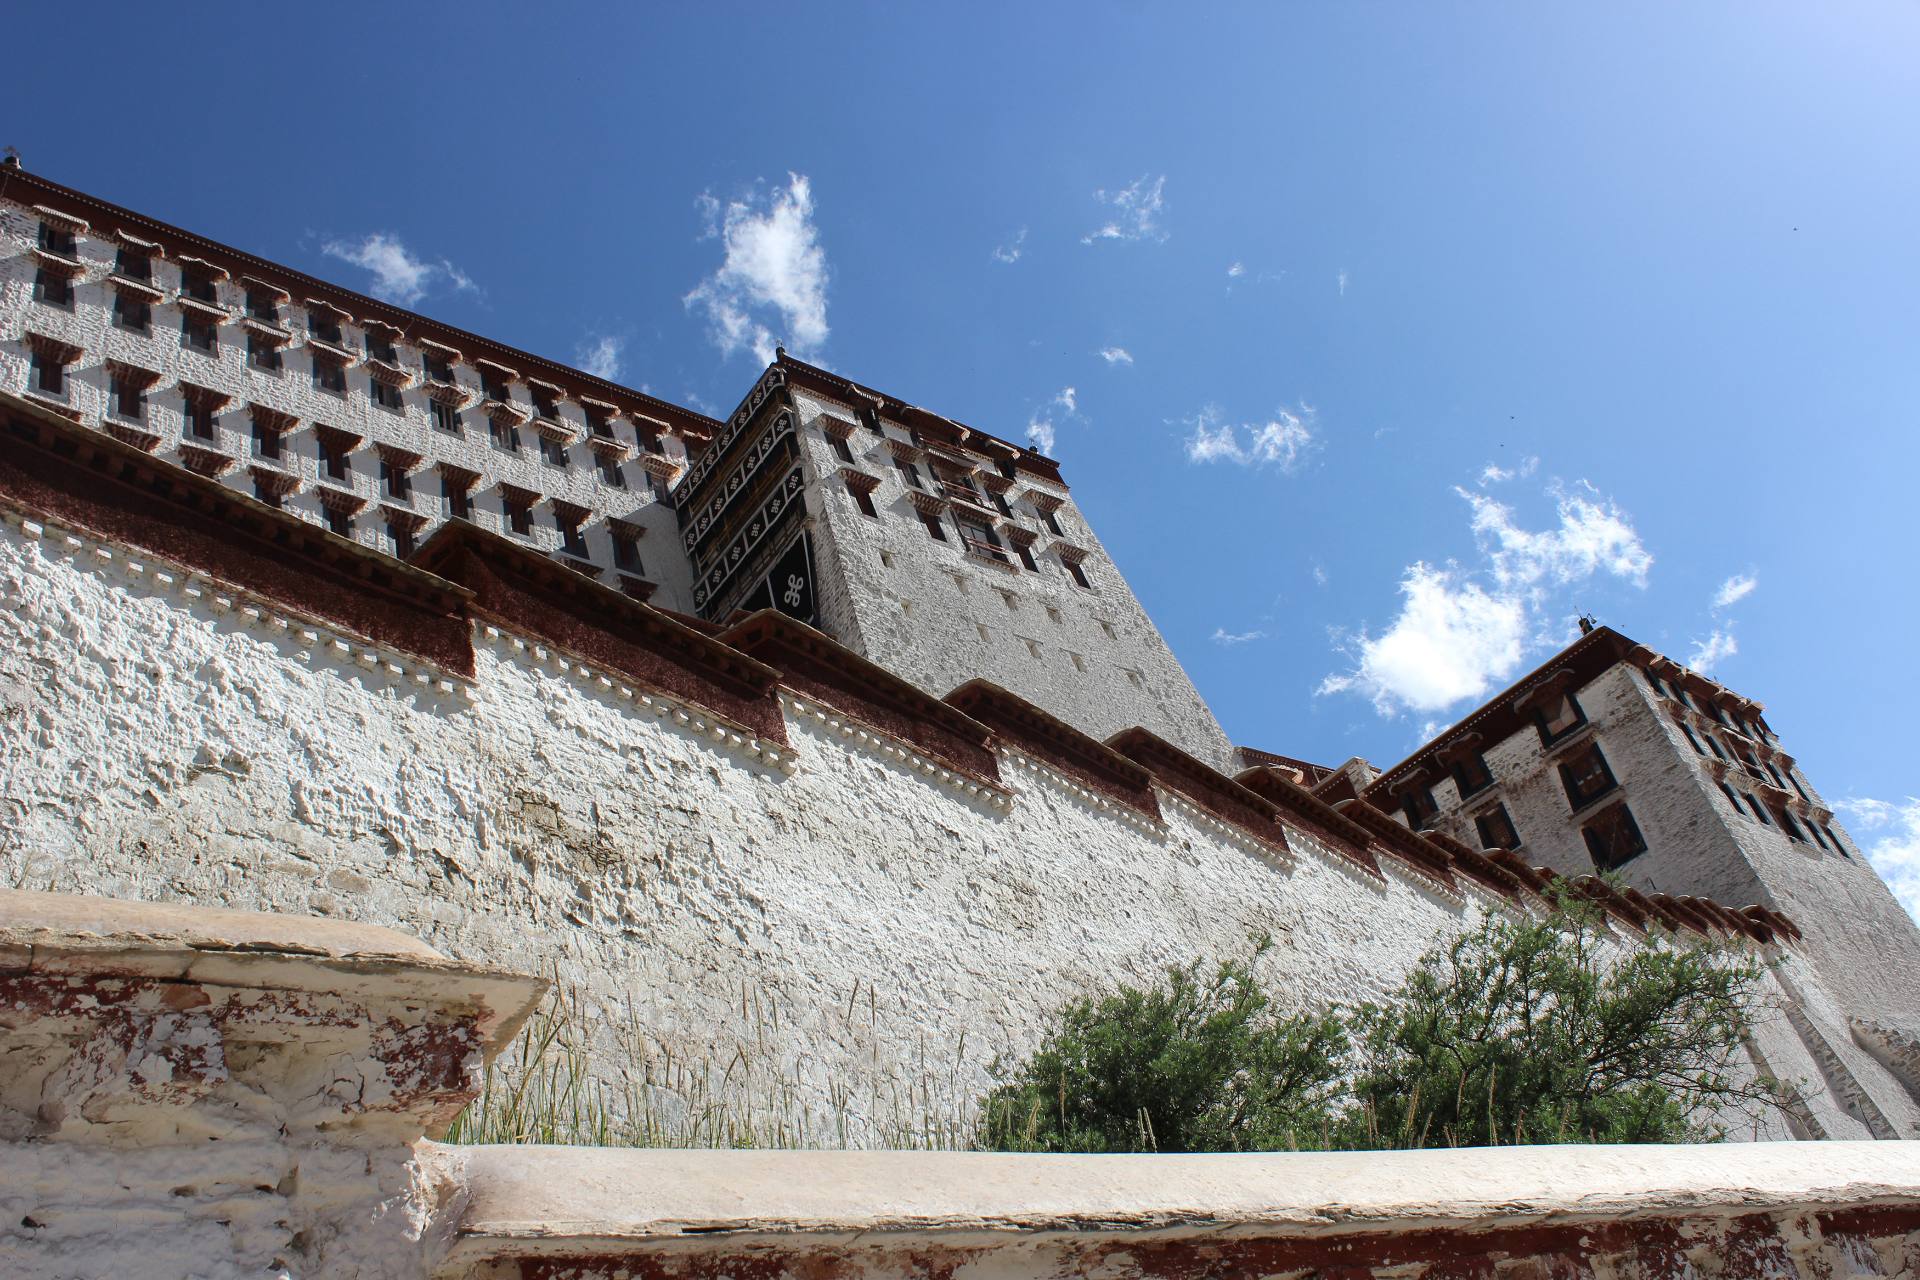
(1341, 280)
(1462, 630)
(601, 357)
(1010, 251)
(774, 269)
(1893, 843)
(1282, 441)
(1718, 646)
(1042, 427)
(1133, 211)
(1116, 355)
(399, 275)
(1222, 636)
(1734, 590)
(1493, 473)
(1237, 270)
(1319, 575)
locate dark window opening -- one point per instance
(1419, 807)
(1000, 505)
(520, 518)
(1713, 743)
(445, 417)
(52, 288)
(1026, 557)
(1558, 717)
(1797, 787)
(1052, 523)
(494, 387)
(135, 315)
(863, 500)
(329, 375)
(1813, 829)
(626, 556)
(934, 529)
(553, 452)
(401, 531)
(1759, 810)
(1834, 840)
(395, 480)
(199, 418)
(266, 441)
(339, 520)
(198, 284)
(1471, 774)
(981, 539)
(1079, 574)
(129, 398)
(267, 492)
(198, 332)
(1613, 838)
(334, 460)
(380, 347)
(386, 395)
(610, 473)
(544, 404)
(1783, 817)
(572, 541)
(1732, 799)
(504, 435)
(1692, 741)
(324, 325)
(457, 502)
(1658, 686)
(1496, 829)
(910, 472)
(1586, 776)
(262, 305)
(59, 240)
(840, 448)
(263, 355)
(134, 264)
(49, 375)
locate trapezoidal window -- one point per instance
(1586, 776)
(1471, 774)
(1496, 829)
(1559, 716)
(1613, 837)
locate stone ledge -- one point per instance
(574, 1202)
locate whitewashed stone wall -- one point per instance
(856, 922)
(939, 617)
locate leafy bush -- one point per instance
(1522, 1030)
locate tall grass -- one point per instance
(746, 1087)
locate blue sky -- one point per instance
(1395, 336)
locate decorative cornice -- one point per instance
(1079, 756)
(1204, 786)
(1320, 819)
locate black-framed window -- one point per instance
(445, 417)
(611, 473)
(572, 540)
(268, 492)
(1813, 829)
(199, 333)
(1000, 504)
(262, 305)
(199, 412)
(1656, 684)
(1834, 840)
(197, 283)
(1417, 803)
(58, 239)
(1496, 828)
(395, 481)
(910, 473)
(505, 435)
(1759, 810)
(841, 450)
(401, 531)
(1558, 716)
(552, 451)
(626, 556)
(863, 500)
(1078, 574)
(133, 263)
(266, 441)
(1691, 740)
(1613, 837)
(455, 501)
(49, 375)
(324, 325)
(1052, 522)
(335, 463)
(387, 396)
(53, 288)
(545, 405)
(981, 537)
(520, 518)
(1586, 776)
(329, 375)
(1026, 557)
(380, 347)
(134, 314)
(1733, 799)
(935, 529)
(339, 520)
(1471, 774)
(129, 397)
(262, 354)
(1784, 818)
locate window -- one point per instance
(1496, 829)
(265, 489)
(380, 347)
(455, 501)
(339, 520)
(445, 417)
(840, 449)
(544, 404)
(1613, 837)
(1559, 716)
(52, 288)
(1000, 505)
(387, 396)
(1759, 810)
(1713, 744)
(1813, 829)
(199, 411)
(494, 387)
(934, 529)
(1653, 679)
(1079, 574)
(197, 283)
(329, 374)
(49, 375)
(263, 354)
(1026, 557)
(262, 305)
(910, 473)
(626, 556)
(437, 367)
(129, 397)
(1052, 523)
(1419, 807)
(60, 240)
(553, 451)
(863, 500)
(572, 541)
(504, 435)
(1586, 776)
(133, 263)
(1784, 817)
(266, 441)
(401, 531)
(1471, 774)
(1834, 840)
(395, 480)
(520, 517)
(1732, 798)
(610, 473)
(334, 460)
(198, 332)
(134, 314)
(1680, 695)
(324, 325)
(982, 540)
(1797, 787)
(1691, 740)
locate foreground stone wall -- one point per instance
(193, 1092)
(849, 926)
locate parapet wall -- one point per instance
(218, 1094)
(751, 854)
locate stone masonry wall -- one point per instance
(855, 926)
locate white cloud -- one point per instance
(1222, 636)
(1494, 473)
(1136, 210)
(399, 276)
(1462, 631)
(1012, 249)
(1734, 590)
(1319, 575)
(1452, 641)
(1341, 280)
(601, 357)
(1041, 429)
(1283, 440)
(1894, 849)
(774, 267)
(1116, 355)
(1237, 270)
(1709, 652)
